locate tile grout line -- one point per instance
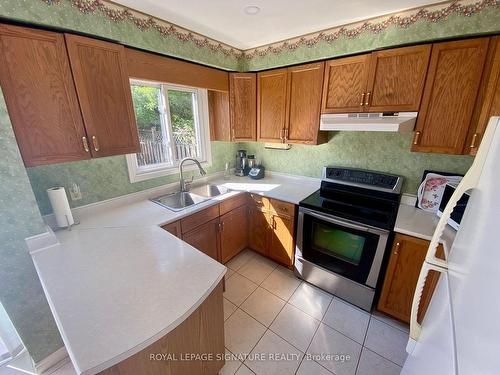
(312, 338)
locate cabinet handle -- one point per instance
(232, 134)
(95, 142)
(416, 138)
(367, 101)
(282, 137)
(284, 209)
(362, 99)
(85, 144)
(286, 135)
(396, 252)
(473, 142)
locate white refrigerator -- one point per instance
(460, 333)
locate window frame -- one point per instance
(202, 129)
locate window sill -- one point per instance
(138, 176)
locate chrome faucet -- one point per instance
(186, 184)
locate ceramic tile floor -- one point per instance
(271, 315)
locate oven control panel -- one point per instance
(361, 177)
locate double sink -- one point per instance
(180, 200)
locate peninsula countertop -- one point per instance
(117, 282)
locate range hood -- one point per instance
(375, 122)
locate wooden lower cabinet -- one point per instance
(270, 232)
(407, 256)
(202, 333)
(258, 223)
(173, 228)
(281, 245)
(233, 232)
(205, 238)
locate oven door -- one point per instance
(350, 249)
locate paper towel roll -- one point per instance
(60, 206)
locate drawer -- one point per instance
(258, 201)
(282, 208)
(230, 204)
(199, 218)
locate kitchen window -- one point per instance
(172, 121)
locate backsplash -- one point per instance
(385, 152)
(105, 178)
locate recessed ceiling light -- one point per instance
(251, 10)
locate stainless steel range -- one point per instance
(343, 229)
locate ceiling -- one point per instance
(226, 21)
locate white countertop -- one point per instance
(118, 282)
(421, 224)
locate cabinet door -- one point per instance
(281, 247)
(259, 230)
(272, 105)
(397, 77)
(344, 86)
(103, 87)
(449, 97)
(305, 83)
(233, 232)
(205, 238)
(242, 106)
(38, 87)
(489, 101)
(405, 262)
(218, 113)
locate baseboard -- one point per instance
(52, 362)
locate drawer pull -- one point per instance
(96, 143)
(85, 144)
(362, 99)
(367, 101)
(396, 252)
(416, 138)
(473, 142)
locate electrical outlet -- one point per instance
(75, 192)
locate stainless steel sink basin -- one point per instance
(178, 201)
(209, 190)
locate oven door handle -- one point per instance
(335, 220)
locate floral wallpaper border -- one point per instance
(143, 22)
(403, 20)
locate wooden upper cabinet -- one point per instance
(405, 262)
(450, 94)
(103, 87)
(218, 113)
(242, 104)
(396, 79)
(488, 103)
(38, 87)
(272, 105)
(344, 85)
(305, 84)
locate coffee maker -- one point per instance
(242, 168)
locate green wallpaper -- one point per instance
(385, 152)
(106, 178)
(21, 293)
